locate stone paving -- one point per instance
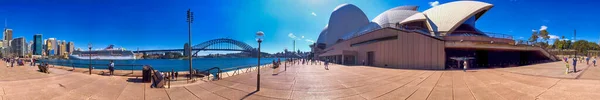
(307, 82)
(552, 69)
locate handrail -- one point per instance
(73, 64)
(218, 76)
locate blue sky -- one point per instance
(160, 24)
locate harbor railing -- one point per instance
(131, 67)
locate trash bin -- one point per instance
(146, 74)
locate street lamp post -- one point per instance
(190, 19)
(575, 39)
(90, 54)
(285, 56)
(259, 39)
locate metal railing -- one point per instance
(94, 65)
(207, 73)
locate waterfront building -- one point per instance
(7, 38)
(63, 48)
(18, 47)
(7, 34)
(29, 48)
(58, 48)
(51, 46)
(436, 38)
(70, 47)
(37, 44)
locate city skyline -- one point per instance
(161, 25)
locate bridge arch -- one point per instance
(223, 44)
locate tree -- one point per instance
(545, 35)
(568, 44)
(581, 46)
(558, 44)
(534, 37)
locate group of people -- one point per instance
(303, 61)
(580, 59)
(10, 62)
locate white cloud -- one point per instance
(313, 13)
(544, 27)
(521, 37)
(291, 35)
(533, 30)
(434, 3)
(309, 40)
(553, 37)
(303, 37)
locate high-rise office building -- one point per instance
(7, 34)
(70, 47)
(37, 44)
(59, 47)
(18, 47)
(29, 48)
(51, 46)
(63, 48)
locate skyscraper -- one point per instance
(51, 46)
(18, 47)
(70, 47)
(59, 47)
(37, 44)
(7, 34)
(29, 48)
(63, 47)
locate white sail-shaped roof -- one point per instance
(445, 18)
(343, 20)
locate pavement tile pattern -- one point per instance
(313, 82)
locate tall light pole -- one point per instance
(285, 56)
(190, 19)
(259, 39)
(575, 39)
(90, 54)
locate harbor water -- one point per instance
(164, 64)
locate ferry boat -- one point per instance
(109, 53)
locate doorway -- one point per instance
(370, 58)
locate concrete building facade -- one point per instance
(18, 47)
(70, 47)
(437, 38)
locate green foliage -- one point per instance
(544, 34)
(534, 37)
(582, 46)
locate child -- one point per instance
(567, 71)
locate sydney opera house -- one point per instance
(437, 38)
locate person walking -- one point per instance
(7, 62)
(12, 63)
(567, 65)
(594, 61)
(326, 64)
(32, 63)
(111, 68)
(465, 66)
(574, 64)
(587, 60)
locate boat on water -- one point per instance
(109, 53)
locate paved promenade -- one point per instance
(307, 82)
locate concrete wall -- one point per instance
(410, 50)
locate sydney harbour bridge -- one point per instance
(222, 44)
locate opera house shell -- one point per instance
(350, 38)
